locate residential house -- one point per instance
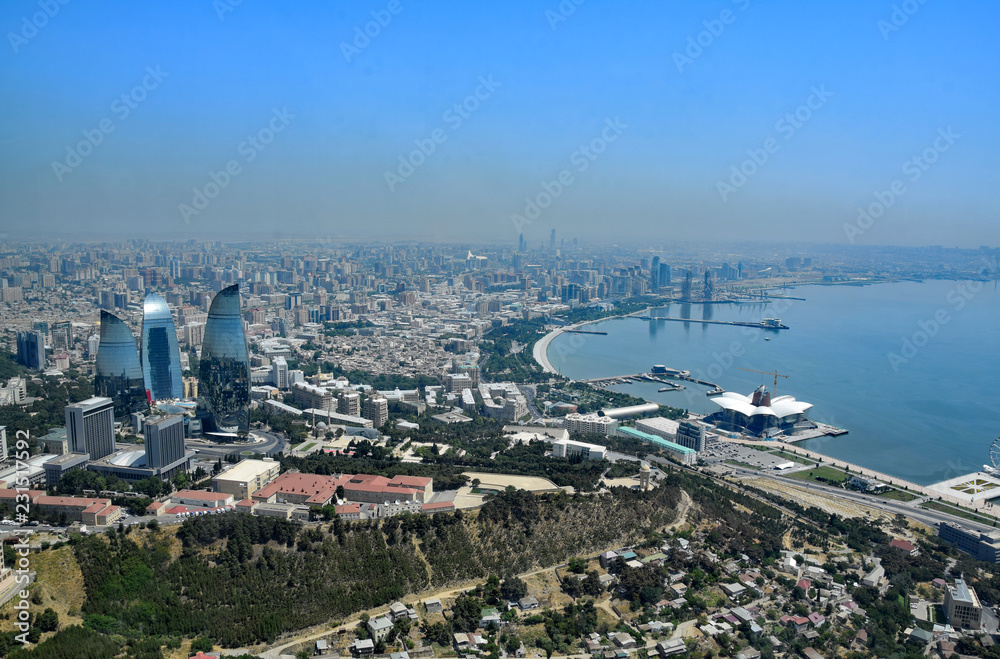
(379, 627)
(672, 647)
(799, 623)
(363, 647)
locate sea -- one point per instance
(911, 369)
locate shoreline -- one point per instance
(981, 507)
(539, 353)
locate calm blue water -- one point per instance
(930, 414)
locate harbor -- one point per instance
(766, 323)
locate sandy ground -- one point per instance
(807, 498)
(501, 481)
(621, 482)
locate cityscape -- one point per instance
(534, 331)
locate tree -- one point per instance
(218, 466)
(48, 621)
(202, 644)
(513, 589)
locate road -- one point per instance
(273, 443)
(309, 637)
(908, 509)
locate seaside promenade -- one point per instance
(981, 507)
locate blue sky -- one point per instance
(333, 168)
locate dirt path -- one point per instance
(682, 513)
(310, 636)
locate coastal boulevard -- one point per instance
(923, 493)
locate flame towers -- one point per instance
(224, 377)
(118, 372)
(161, 358)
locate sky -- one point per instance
(851, 122)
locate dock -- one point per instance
(580, 331)
(759, 325)
(655, 377)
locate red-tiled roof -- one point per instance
(440, 505)
(201, 495)
(80, 502)
(903, 545)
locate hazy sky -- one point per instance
(313, 117)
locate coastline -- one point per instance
(539, 353)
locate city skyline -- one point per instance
(857, 124)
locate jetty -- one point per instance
(759, 325)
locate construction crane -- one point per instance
(775, 374)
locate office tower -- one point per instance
(349, 403)
(377, 410)
(31, 349)
(279, 372)
(552, 239)
(520, 243)
(164, 440)
(90, 427)
(224, 378)
(118, 374)
(654, 273)
(664, 274)
(161, 358)
(93, 343)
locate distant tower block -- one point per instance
(644, 477)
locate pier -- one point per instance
(657, 377)
(759, 325)
(580, 331)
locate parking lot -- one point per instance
(721, 451)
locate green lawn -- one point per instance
(794, 458)
(957, 512)
(898, 495)
(832, 476)
(305, 446)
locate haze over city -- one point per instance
(529, 330)
(503, 100)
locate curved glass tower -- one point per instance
(118, 373)
(224, 376)
(161, 358)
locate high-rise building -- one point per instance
(164, 440)
(654, 273)
(31, 349)
(90, 427)
(224, 378)
(962, 607)
(3, 442)
(691, 434)
(376, 410)
(279, 372)
(349, 403)
(161, 358)
(664, 277)
(118, 373)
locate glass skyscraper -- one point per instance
(118, 373)
(161, 358)
(31, 349)
(224, 376)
